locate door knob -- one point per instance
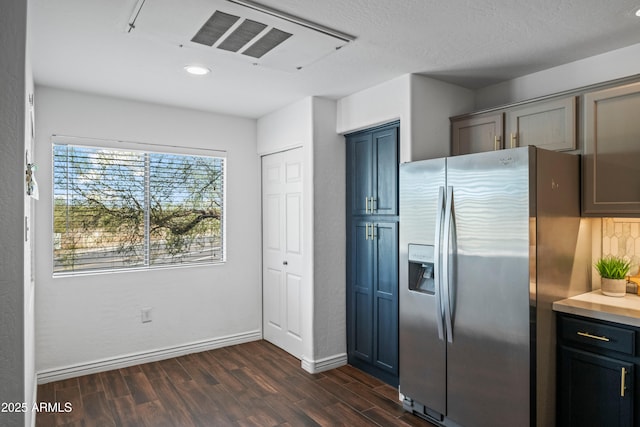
(285, 263)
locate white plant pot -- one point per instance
(613, 287)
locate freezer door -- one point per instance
(422, 352)
(488, 358)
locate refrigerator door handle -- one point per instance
(445, 264)
(437, 267)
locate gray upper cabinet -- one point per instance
(611, 180)
(476, 134)
(545, 124)
(549, 124)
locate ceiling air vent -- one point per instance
(247, 30)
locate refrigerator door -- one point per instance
(488, 289)
(422, 351)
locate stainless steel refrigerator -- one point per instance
(487, 242)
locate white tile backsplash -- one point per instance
(621, 237)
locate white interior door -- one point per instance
(282, 250)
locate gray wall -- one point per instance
(13, 21)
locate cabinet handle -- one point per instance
(373, 232)
(623, 375)
(368, 236)
(514, 138)
(366, 205)
(595, 337)
(496, 143)
(374, 204)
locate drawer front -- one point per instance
(598, 335)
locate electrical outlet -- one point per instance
(145, 315)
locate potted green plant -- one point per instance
(613, 272)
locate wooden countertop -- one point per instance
(625, 310)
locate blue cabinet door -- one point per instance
(594, 390)
(385, 296)
(361, 292)
(385, 172)
(360, 173)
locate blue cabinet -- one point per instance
(597, 373)
(372, 251)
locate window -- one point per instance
(122, 209)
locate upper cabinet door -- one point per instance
(372, 172)
(546, 124)
(360, 168)
(476, 134)
(611, 186)
(385, 179)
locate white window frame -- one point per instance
(142, 148)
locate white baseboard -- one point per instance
(102, 365)
(324, 364)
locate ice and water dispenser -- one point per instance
(421, 269)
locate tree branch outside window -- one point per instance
(116, 209)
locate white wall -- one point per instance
(432, 103)
(377, 105)
(612, 65)
(29, 278)
(292, 127)
(289, 127)
(329, 281)
(423, 106)
(94, 320)
(15, 325)
(310, 124)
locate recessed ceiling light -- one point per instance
(197, 70)
(638, 12)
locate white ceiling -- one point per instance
(83, 45)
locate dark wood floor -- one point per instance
(253, 384)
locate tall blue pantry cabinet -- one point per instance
(372, 251)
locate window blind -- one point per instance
(122, 209)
